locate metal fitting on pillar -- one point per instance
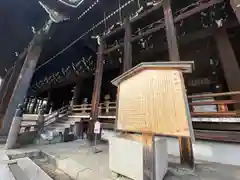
(72, 102)
(15, 128)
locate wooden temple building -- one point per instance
(91, 42)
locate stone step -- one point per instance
(55, 129)
(28, 123)
(21, 169)
(65, 121)
(60, 125)
(5, 172)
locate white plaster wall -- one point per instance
(224, 153)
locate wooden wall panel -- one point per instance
(153, 101)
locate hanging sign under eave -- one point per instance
(72, 3)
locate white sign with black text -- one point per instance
(97, 127)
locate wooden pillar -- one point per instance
(25, 76)
(49, 101)
(170, 32)
(76, 92)
(228, 61)
(236, 8)
(148, 157)
(96, 90)
(186, 150)
(127, 61)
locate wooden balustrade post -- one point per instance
(49, 101)
(76, 92)
(107, 103)
(40, 104)
(37, 107)
(186, 150)
(26, 104)
(96, 90)
(222, 108)
(40, 120)
(34, 105)
(100, 109)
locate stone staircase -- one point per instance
(56, 126)
(60, 125)
(53, 121)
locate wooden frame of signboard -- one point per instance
(141, 93)
(152, 100)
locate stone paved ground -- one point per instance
(80, 152)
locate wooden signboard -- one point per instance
(152, 99)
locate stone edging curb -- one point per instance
(73, 169)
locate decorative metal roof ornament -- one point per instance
(53, 14)
(72, 3)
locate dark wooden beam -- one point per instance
(96, 90)
(127, 61)
(180, 17)
(134, 20)
(236, 8)
(228, 61)
(186, 150)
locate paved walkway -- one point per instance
(80, 152)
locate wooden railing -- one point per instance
(214, 106)
(60, 113)
(223, 104)
(203, 105)
(30, 125)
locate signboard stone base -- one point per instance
(127, 161)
